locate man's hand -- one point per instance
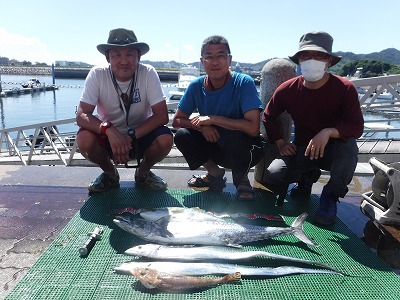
(120, 145)
(316, 146)
(210, 133)
(286, 149)
(203, 124)
(199, 121)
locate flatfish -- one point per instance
(166, 282)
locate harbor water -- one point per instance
(39, 107)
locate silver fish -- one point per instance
(178, 214)
(189, 253)
(194, 232)
(194, 213)
(152, 279)
(198, 269)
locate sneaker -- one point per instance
(150, 181)
(103, 183)
(326, 212)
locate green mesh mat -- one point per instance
(60, 273)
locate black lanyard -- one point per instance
(124, 98)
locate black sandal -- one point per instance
(244, 191)
(213, 182)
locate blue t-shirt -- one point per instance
(233, 100)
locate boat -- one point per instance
(173, 100)
(186, 75)
(32, 83)
(385, 95)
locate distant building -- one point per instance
(71, 64)
(4, 61)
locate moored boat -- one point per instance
(32, 83)
(173, 100)
(186, 75)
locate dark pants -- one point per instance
(340, 158)
(236, 151)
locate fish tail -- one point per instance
(232, 277)
(298, 232)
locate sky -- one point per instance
(257, 30)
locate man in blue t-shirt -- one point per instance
(224, 131)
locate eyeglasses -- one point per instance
(307, 55)
(216, 57)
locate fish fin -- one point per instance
(163, 220)
(161, 225)
(298, 232)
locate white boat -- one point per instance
(173, 100)
(385, 95)
(186, 75)
(33, 82)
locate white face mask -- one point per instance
(313, 70)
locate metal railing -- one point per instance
(47, 145)
(379, 96)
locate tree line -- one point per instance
(368, 68)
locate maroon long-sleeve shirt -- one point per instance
(334, 105)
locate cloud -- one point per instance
(19, 47)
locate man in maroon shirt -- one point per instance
(328, 119)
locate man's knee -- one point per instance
(86, 140)
(163, 143)
(180, 135)
(277, 171)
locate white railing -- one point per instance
(381, 97)
(48, 145)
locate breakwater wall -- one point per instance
(75, 73)
(10, 70)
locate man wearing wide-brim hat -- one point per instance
(328, 119)
(132, 114)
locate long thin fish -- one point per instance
(194, 232)
(188, 253)
(152, 279)
(197, 269)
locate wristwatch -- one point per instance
(132, 133)
(104, 126)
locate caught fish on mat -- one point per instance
(197, 269)
(153, 279)
(208, 232)
(175, 213)
(191, 253)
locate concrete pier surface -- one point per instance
(36, 202)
